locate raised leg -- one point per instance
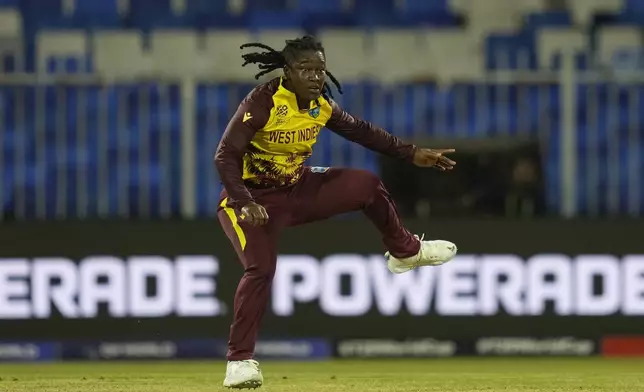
(322, 194)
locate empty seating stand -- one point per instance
(413, 66)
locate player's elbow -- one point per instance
(224, 155)
(221, 155)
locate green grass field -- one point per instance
(444, 375)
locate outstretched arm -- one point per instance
(379, 140)
(368, 135)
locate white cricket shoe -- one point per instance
(243, 375)
(432, 253)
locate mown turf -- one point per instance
(444, 375)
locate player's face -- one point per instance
(307, 75)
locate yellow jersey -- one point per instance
(269, 138)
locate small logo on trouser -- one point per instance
(319, 169)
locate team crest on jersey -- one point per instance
(319, 169)
(315, 112)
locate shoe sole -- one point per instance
(396, 267)
(252, 384)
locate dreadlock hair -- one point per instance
(270, 59)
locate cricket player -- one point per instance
(267, 187)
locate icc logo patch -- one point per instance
(282, 111)
(315, 112)
(318, 169)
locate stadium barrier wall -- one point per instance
(298, 349)
(543, 281)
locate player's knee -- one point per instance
(261, 271)
(367, 184)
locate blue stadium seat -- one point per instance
(223, 21)
(433, 6)
(377, 13)
(316, 21)
(316, 15)
(206, 7)
(510, 52)
(272, 14)
(536, 21)
(40, 14)
(41, 6)
(207, 14)
(315, 7)
(97, 14)
(260, 20)
(150, 14)
(272, 5)
(435, 13)
(634, 6)
(379, 5)
(432, 19)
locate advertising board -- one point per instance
(176, 280)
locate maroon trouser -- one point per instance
(316, 196)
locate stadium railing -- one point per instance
(81, 146)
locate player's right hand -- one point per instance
(254, 214)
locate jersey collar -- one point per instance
(292, 98)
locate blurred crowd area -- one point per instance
(113, 108)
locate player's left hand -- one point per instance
(427, 157)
